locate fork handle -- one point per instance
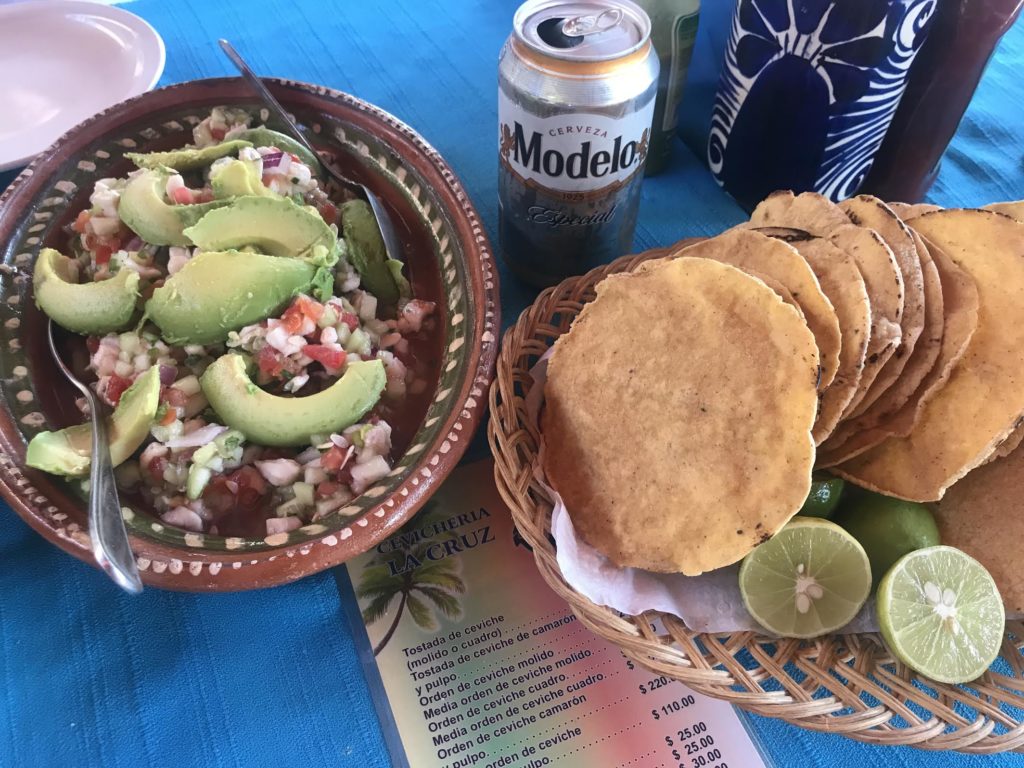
(110, 545)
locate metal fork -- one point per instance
(387, 226)
(110, 544)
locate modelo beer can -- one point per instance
(576, 89)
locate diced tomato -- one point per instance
(269, 361)
(242, 490)
(88, 241)
(292, 319)
(308, 307)
(303, 307)
(344, 475)
(295, 157)
(249, 477)
(182, 196)
(81, 221)
(156, 468)
(169, 417)
(217, 133)
(217, 496)
(92, 343)
(174, 397)
(350, 319)
(116, 387)
(333, 459)
(251, 486)
(203, 195)
(102, 254)
(267, 178)
(327, 488)
(328, 212)
(328, 356)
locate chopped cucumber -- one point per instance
(329, 317)
(358, 342)
(198, 477)
(303, 493)
(290, 508)
(228, 443)
(189, 385)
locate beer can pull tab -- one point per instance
(578, 26)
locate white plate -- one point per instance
(63, 61)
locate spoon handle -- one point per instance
(109, 538)
(273, 104)
(392, 244)
(110, 544)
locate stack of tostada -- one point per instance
(692, 398)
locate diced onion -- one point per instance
(104, 226)
(364, 475)
(198, 438)
(272, 159)
(183, 517)
(279, 471)
(282, 524)
(167, 374)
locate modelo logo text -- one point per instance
(585, 163)
(582, 164)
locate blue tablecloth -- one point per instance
(91, 677)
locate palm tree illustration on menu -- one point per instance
(422, 586)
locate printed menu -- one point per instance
(474, 661)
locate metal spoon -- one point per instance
(109, 538)
(387, 226)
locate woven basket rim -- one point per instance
(840, 683)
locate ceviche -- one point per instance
(243, 320)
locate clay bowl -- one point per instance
(449, 260)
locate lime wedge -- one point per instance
(940, 612)
(808, 579)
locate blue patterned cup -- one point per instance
(807, 92)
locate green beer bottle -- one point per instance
(673, 32)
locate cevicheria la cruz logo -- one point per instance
(580, 153)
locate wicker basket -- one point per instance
(847, 684)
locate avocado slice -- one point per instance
(90, 308)
(237, 178)
(69, 451)
(265, 137)
(368, 253)
(144, 208)
(187, 158)
(275, 225)
(395, 268)
(286, 421)
(220, 291)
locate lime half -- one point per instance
(940, 612)
(808, 579)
